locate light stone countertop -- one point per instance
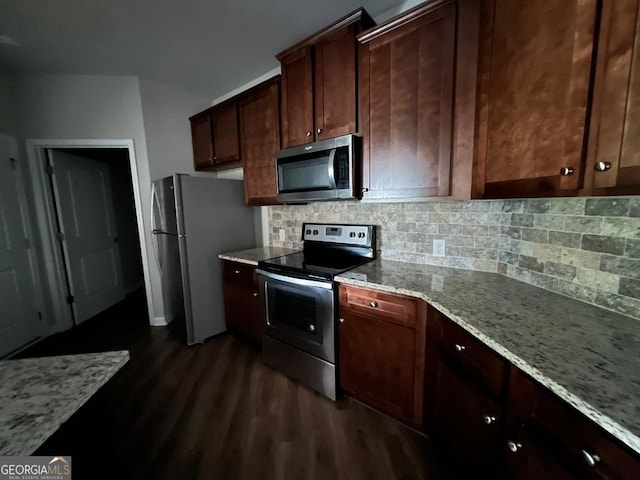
(254, 255)
(37, 395)
(588, 356)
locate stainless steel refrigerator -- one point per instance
(194, 220)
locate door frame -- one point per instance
(54, 266)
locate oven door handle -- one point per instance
(295, 281)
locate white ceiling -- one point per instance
(206, 47)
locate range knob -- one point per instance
(352, 234)
(308, 232)
(312, 328)
(315, 232)
(361, 235)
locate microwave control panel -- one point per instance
(344, 234)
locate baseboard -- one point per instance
(158, 322)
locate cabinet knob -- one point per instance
(312, 328)
(365, 189)
(602, 166)
(514, 446)
(489, 419)
(215, 158)
(210, 158)
(341, 320)
(237, 272)
(309, 133)
(374, 304)
(589, 458)
(460, 348)
(319, 130)
(255, 294)
(566, 171)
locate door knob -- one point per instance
(590, 458)
(514, 446)
(566, 171)
(365, 189)
(489, 419)
(602, 166)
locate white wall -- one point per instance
(166, 111)
(8, 122)
(90, 107)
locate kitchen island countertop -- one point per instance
(585, 354)
(252, 256)
(37, 395)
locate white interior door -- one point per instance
(19, 322)
(85, 213)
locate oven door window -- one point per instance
(296, 311)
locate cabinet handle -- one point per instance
(237, 272)
(319, 130)
(514, 446)
(309, 133)
(460, 348)
(374, 304)
(489, 419)
(255, 294)
(591, 459)
(602, 166)
(566, 171)
(365, 189)
(342, 320)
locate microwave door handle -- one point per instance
(331, 169)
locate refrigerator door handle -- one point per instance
(155, 231)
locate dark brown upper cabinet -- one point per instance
(417, 84)
(319, 82)
(259, 140)
(613, 159)
(215, 137)
(534, 80)
(226, 138)
(202, 140)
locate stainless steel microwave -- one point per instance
(324, 170)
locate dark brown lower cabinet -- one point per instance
(382, 351)
(243, 309)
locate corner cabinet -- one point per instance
(535, 72)
(259, 140)
(381, 346)
(319, 82)
(215, 137)
(417, 102)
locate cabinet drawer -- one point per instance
(479, 360)
(235, 272)
(394, 308)
(578, 439)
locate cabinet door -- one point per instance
(535, 72)
(259, 140)
(335, 84)
(377, 362)
(202, 140)
(297, 98)
(406, 106)
(614, 143)
(226, 141)
(464, 418)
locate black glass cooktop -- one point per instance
(322, 265)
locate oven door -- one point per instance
(300, 312)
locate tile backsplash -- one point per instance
(585, 248)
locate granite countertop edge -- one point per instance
(608, 424)
(30, 446)
(252, 256)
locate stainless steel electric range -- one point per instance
(301, 301)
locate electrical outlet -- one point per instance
(282, 235)
(438, 248)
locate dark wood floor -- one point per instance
(214, 411)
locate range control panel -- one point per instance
(346, 234)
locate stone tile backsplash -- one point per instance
(585, 248)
